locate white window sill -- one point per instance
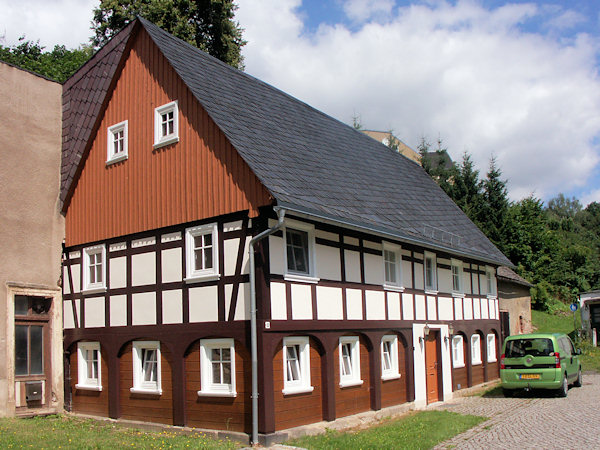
(300, 278)
(146, 391)
(393, 288)
(350, 383)
(391, 376)
(166, 141)
(117, 158)
(458, 295)
(492, 360)
(88, 387)
(230, 394)
(94, 290)
(298, 390)
(492, 296)
(475, 363)
(431, 292)
(198, 278)
(458, 366)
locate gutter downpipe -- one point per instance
(253, 329)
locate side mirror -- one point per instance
(578, 351)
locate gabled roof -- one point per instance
(508, 274)
(313, 164)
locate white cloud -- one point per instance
(363, 10)
(470, 74)
(589, 197)
(63, 22)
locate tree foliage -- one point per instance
(58, 64)
(206, 24)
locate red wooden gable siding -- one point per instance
(199, 177)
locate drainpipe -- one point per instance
(253, 332)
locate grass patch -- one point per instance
(73, 432)
(421, 430)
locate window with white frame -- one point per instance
(89, 367)
(146, 367)
(117, 143)
(475, 349)
(491, 348)
(217, 367)
(457, 272)
(166, 124)
(349, 351)
(458, 355)
(490, 281)
(296, 365)
(299, 250)
(94, 263)
(202, 252)
(430, 271)
(392, 265)
(389, 357)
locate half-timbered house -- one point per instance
(372, 288)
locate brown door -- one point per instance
(432, 367)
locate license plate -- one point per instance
(529, 376)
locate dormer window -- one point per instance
(116, 143)
(166, 124)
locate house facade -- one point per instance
(31, 241)
(515, 300)
(373, 289)
(589, 302)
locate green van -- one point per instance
(539, 361)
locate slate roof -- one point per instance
(313, 164)
(509, 275)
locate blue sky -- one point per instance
(517, 79)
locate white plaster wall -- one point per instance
(444, 280)
(497, 309)
(485, 313)
(76, 274)
(420, 312)
(143, 269)
(230, 248)
(352, 262)
(406, 274)
(373, 269)
(171, 265)
(276, 255)
(278, 301)
(172, 306)
(350, 240)
(118, 272)
(445, 308)
(327, 235)
(118, 310)
(373, 245)
(301, 302)
(143, 242)
(242, 307)
(329, 267)
(419, 276)
(143, 308)
(66, 287)
(468, 303)
(68, 319)
(407, 307)
(329, 303)
(431, 312)
(354, 309)
(232, 226)
(467, 280)
(458, 308)
(204, 304)
(393, 303)
(483, 284)
(246, 258)
(476, 309)
(375, 301)
(94, 312)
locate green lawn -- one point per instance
(419, 430)
(71, 432)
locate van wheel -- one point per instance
(578, 380)
(564, 388)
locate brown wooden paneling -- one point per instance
(298, 409)
(395, 392)
(459, 376)
(199, 177)
(89, 402)
(478, 374)
(493, 371)
(146, 407)
(352, 399)
(219, 413)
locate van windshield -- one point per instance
(533, 346)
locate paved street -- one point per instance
(532, 421)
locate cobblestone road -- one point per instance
(533, 421)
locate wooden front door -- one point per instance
(432, 366)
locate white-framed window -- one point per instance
(117, 143)
(475, 349)
(458, 353)
(89, 367)
(202, 252)
(296, 365)
(457, 276)
(430, 271)
(146, 367)
(491, 347)
(299, 239)
(389, 357)
(166, 124)
(217, 367)
(349, 350)
(392, 266)
(490, 281)
(94, 264)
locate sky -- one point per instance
(515, 80)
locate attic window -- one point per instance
(116, 143)
(166, 124)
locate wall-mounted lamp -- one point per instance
(425, 334)
(450, 333)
